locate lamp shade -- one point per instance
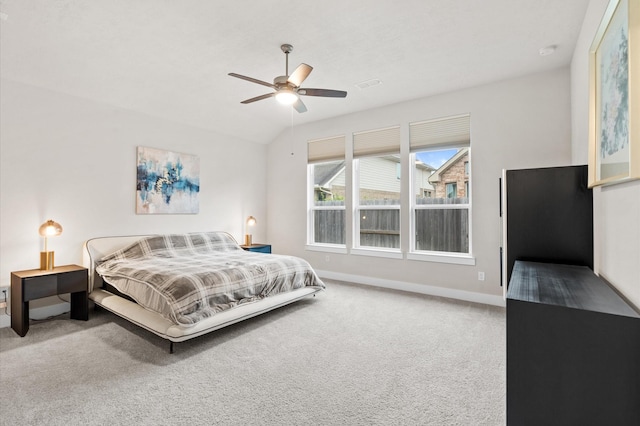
(251, 221)
(50, 229)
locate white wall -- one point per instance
(514, 124)
(616, 207)
(74, 161)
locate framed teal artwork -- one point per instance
(167, 182)
(614, 104)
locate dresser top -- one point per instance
(565, 285)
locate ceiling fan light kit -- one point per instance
(286, 97)
(287, 87)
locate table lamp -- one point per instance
(251, 221)
(48, 229)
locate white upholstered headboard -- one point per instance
(97, 248)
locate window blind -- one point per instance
(441, 131)
(327, 149)
(381, 141)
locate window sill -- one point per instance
(377, 252)
(458, 259)
(461, 259)
(329, 248)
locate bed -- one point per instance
(181, 286)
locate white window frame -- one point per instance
(381, 144)
(311, 209)
(438, 256)
(320, 151)
(357, 249)
(439, 133)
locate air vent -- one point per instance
(547, 50)
(368, 83)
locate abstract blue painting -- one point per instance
(614, 96)
(167, 182)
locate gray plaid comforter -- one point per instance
(189, 277)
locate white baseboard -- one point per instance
(450, 293)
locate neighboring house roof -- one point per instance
(425, 166)
(324, 173)
(435, 177)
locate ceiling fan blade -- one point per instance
(253, 80)
(258, 98)
(299, 74)
(299, 106)
(323, 92)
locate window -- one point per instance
(434, 182)
(440, 149)
(377, 185)
(326, 194)
(451, 190)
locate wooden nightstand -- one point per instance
(36, 284)
(260, 248)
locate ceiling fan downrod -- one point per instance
(286, 48)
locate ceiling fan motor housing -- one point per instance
(282, 83)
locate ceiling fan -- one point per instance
(287, 87)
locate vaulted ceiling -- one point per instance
(170, 59)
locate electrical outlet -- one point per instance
(327, 258)
(480, 276)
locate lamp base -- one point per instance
(247, 240)
(46, 260)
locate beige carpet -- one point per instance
(353, 355)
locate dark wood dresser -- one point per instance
(573, 349)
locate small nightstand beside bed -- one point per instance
(181, 286)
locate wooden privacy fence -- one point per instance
(440, 229)
(380, 228)
(329, 225)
